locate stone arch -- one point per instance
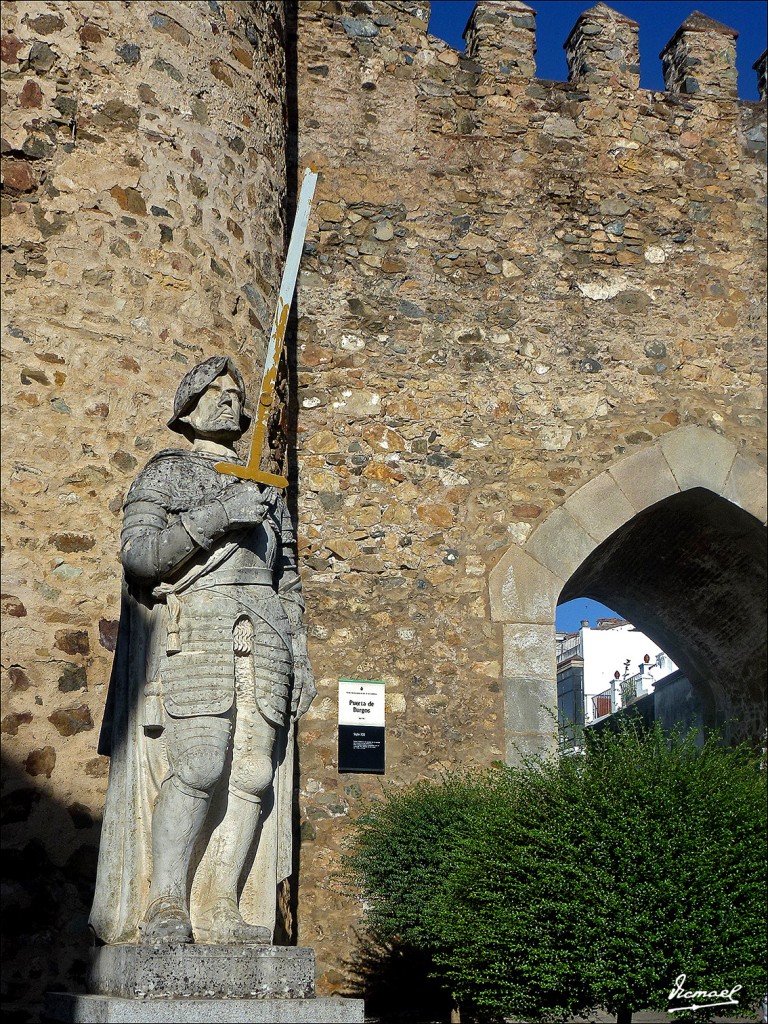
(527, 582)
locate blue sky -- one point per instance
(569, 616)
(658, 21)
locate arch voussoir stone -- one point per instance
(698, 457)
(600, 507)
(746, 487)
(561, 543)
(644, 477)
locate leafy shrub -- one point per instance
(401, 850)
(569, 883)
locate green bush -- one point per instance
(575, 882)
(400, 852)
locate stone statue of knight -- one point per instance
(210, 571)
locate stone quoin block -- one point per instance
(529, 649)
(522, 589)
(530, 712)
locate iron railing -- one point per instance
(570, 647)
(602, 704)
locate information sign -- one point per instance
(361, 726)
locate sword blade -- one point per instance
(251, 471)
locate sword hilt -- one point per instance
(251, 472)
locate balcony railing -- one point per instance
(569, 648)
(632, 688)
(620, 694)
(602, 704)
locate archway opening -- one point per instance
(690, 572)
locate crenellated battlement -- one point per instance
(698, 62)
(700, 58)
(502, 38)
(602, 48)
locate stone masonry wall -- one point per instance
(509, 284)
(142, 205)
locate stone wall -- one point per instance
(510, 286)
(143, 206)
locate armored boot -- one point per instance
(178, 818)
(221, 921)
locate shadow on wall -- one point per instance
(44, 926)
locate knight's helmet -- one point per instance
(194, 384)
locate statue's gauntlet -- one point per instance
(206, 523)
(239, 506)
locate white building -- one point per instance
(603, 669)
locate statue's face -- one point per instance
(217, 413)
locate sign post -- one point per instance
(361, 726)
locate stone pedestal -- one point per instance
(201, 983)
(231, 971)
(114, 1010)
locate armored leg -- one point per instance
(251, 775)
(230, 844)
(196, 752)
(231, 841)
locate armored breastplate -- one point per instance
(253, 561)
(178, 481)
